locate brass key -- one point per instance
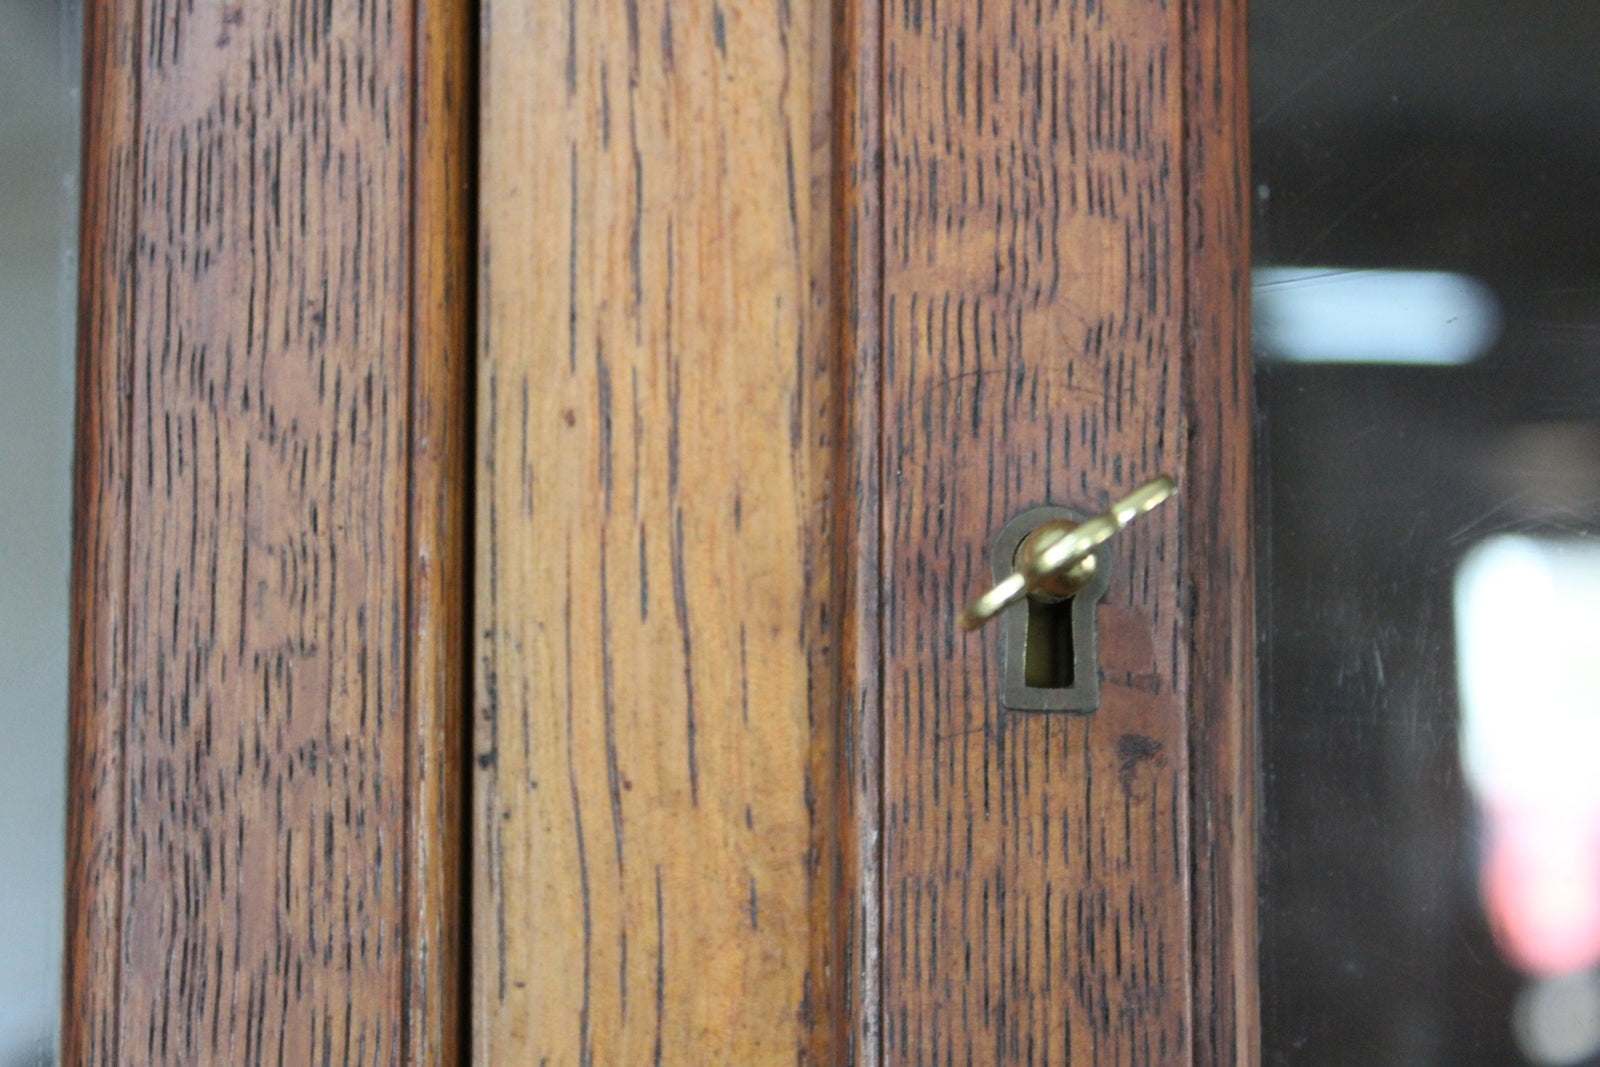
(1056, 560)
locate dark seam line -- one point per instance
(880, 183)
(125, 406)
(410, 746)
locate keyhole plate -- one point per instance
(1070, 630)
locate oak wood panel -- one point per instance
(1038, 253)
(443, 217)
(267, 706)
(1037, 347)
(1217, 569)
(660, 874)
(858, 258)
(103, 459)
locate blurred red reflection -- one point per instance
(1528, 648)
(1541, 887)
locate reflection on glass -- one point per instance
(1558, 1019)
(1528, 627)
(1427, 177)
(1329, 315)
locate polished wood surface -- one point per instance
(443, 359)
(267, 705)
(1037, 293)
(1036, 868)
(781, 312)
(91, 1009)
(1218, 569)
(858, 279)
(659, 871)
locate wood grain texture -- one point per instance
(269, 482)
(1040, 346)
(736, 771)
(443, 302)
(1217, 570)
(103, 459)
(858, 274)
(659, 874)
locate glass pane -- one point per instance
(1427, 327)
(39, 49)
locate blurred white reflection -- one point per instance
(1557, 1020)
(1528, 649)
(1334, 315)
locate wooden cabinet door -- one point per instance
(781, 311)
(269, 569)
(786, 309)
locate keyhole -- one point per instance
(1048, 657)
(1049, 650)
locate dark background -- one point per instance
(1457, 135)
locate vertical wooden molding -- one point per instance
(782, 320)
(92, 971)
(1218, 566)
(662, 873)
(1062, 322)
(858, 248)
(267, 705)
(443, 217)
